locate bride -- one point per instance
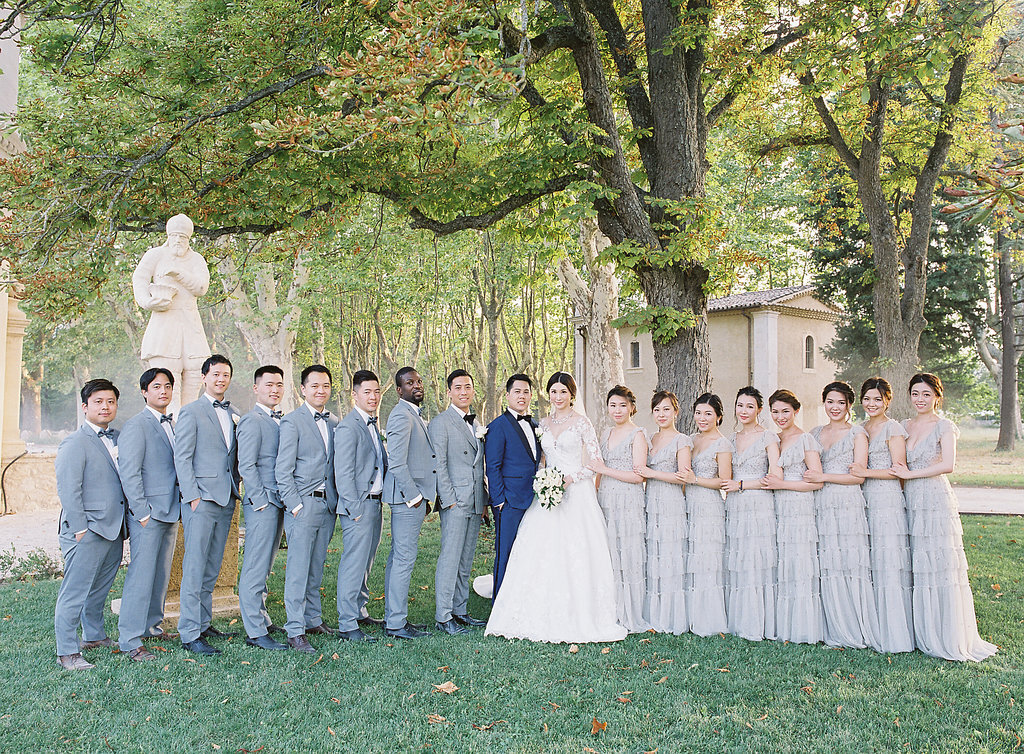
(558, 584)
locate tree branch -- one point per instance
(146, 225)
(835, 136)
(736, 86)
(782, 143)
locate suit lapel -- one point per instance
(211, 412)
(418, 421)
(520, 434)
(102, 446)
(154, 422)
(466, 431)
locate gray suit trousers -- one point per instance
(262, 537)
(206, 533)
(406, 523)
(145, 583)
(460, 528)
(89, 570)
(309, 534)
(360, 540)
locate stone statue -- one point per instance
(168, 282)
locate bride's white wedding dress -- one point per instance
(558, 584)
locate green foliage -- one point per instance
(35, 564)
(663, 322)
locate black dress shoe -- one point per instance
(200, 647)
(407, 632)
(451, 627)
(323, 628)
(417, 626)
(272, 629)
(356, 635)
(265, 642)
(213, 633)
(469, 620)
(299, 644)
(369, 620)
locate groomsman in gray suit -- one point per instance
(462, 499)
(409, 486)
(146, 463)
(257, 434)
(205, 457)
(360, 462)
(91, 527)
(305, 480)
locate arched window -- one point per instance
(809, 352)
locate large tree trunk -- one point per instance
(1009, 409)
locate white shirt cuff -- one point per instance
(144, 519)
(412, 503)
(297, 509)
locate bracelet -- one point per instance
(741, 485)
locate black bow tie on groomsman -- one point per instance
(166, 418)
(470, 418)
(108, 433)
(222, 404)
(275, 414)
(525, 417)
(321, 416)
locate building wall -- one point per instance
(806, 383)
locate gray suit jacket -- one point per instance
(258, 434)
(460, 461)
(412, 468)
(145, 461)
(207, 467)
(302, 462)
(88, 486)
(355, 462)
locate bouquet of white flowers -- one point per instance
(547, 485)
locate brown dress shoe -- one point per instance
(141, 654)
(74, 662)
(323, 628)
(106, 641)
(299, 644)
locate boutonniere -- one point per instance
(538, 432)
(481, 432)
(234, 418)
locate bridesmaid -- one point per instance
(668, 462)
(851, 618)
(799, 616)
(705, 514)
(944, 621)
(620, 493)
(887, 518)
(750, 557)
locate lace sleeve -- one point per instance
(591, 447)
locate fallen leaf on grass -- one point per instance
(996, 587)
(897, 722)
(554, 706)
(317, 660)
(661, 680)
(573, 649)
(8, 617)
(545, 727)
(285, 683)
(763, 717)
(839, 709)
(424, 588)
(166, 668)
(489, 725)
(447, 687)
(330, 730)
(606, 650)
(807, 690)
(224, 701)
(165, 691)
(623, 699)
(724, 670)
(597, 726)
(652, 751)
(588, 750)
(435, 719)
(233, 621)
(336, 700)
(662, 662)
(443, 668)
(189, 659)
(334, 656)
(215, 746)
(159, 649)
(246, 662)
(749, 725)
(645, 641)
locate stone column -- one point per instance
(12, 444)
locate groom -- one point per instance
(512, 454)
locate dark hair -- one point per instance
(623, 392)
(216, 359)
(266, 369)
(562, 378)
(929, 379)
(315, 369)
(517, 378)
(151, 374)
(665, 395)
(456, 374)
(98, 386)
(784, 396)
(877, 383)
(754, 393)
(401, 373)
(363, 375)
(710, 399)
(844, 389)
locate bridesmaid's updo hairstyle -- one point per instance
(877, 383)
(563, 378)
(843, 388)
(784, 396)
(665, 395)
(710, 399)
(623, 392)
(932, 381)
(752, 392)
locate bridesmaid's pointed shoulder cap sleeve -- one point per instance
(769, 438)
(683, 440)
(857, 429)
(945, 426)
(894, 429)
(724, 445)
(810, 442)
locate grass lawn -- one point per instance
(664, 693)
(978, 465)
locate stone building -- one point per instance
(769, 339)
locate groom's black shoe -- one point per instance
(469, 620)
(213, 633)
(408, 631)
(451, 627)
(369, 620)
(265, 642)
(200, 646)
(356, 635)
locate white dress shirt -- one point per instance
(267, 410)
(416, 500)
(378, 480)
(224, 416)
(321, 424)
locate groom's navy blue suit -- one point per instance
(510, 471)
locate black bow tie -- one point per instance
(318, 416)
(166, 418)
(524, 418)
(222, 404)
(372, 420)
(470, 418)
(106, 433)
(274, 414)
